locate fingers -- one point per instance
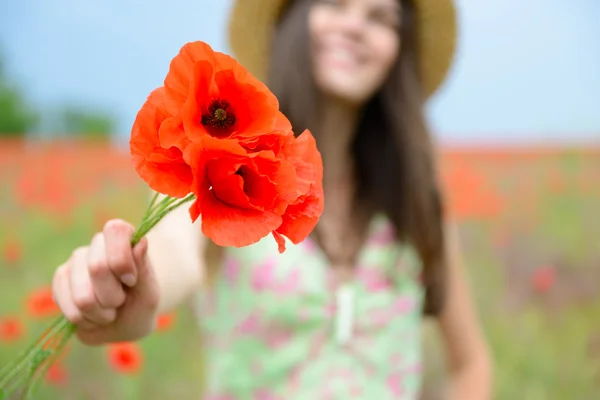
(146, 289)
(89, 287)
(107, 288)
(140, 252)
(82, 291)
(61, 291)
(117, 239)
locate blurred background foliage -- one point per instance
(19, 117)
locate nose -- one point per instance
(352, 21)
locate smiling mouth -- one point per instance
(341, 58)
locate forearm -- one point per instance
(472, 381)
(176, 253)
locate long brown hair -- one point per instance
(392, 150)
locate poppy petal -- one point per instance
(282, 175)
(172, 134)
(173, 179)
(300, 219)
(280, 241)
(164, 170)
(231, 226)
(275, 141)
(231, 191)
(307, 160)
(282, 124)
(178, 79)
(199, 100)
(256, 108)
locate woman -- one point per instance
(339, 315)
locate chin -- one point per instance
(345, 90)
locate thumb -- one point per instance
(140, 253)
(146, 287)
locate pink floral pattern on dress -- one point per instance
(290, 284)
(271, 324)
(219, 397)
(384, 236)
(264, 394)
(263, 276)
(374, 280)
(395, 384)
(250, 325)
(276, 338)
(232, 269)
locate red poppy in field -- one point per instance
(165, 321)
(543, 279)
(56, 375)
(241, 197)
(212, 94)
(11, 329)
(125, 357)
(162, 168)
(40, 303)
(12, 252)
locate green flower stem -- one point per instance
(157, 207)
(31, 365)
(163, 208)
(151, 206)
(68, 330)
(20, 363)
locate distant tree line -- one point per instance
(18, 117)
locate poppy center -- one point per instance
(219, 118)
(220, 114)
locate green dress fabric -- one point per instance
(275, 328)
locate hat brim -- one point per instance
(252, 23)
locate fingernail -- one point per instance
(128, 280)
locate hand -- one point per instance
(109, 289)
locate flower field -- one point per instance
(530, 227)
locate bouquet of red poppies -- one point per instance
(212, 137)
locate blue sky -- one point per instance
(526, 71)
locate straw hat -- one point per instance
(252, 22)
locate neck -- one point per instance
(338, 123)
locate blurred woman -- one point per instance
(339, 315)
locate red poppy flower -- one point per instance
(240, 196)
(543, 279)
(211, 94)
(40, 303)
(125, 357)
(12, 252)
(56, 375)
(216, 131)
(11, 329)
(165, 321)
(162, 168)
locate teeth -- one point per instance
(342, 56)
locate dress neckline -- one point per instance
(374, 222)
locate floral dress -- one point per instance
(274, 328)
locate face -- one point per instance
(354, 44)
